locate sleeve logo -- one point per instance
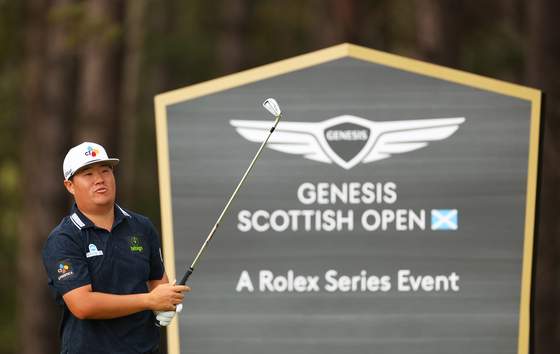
(64, 270)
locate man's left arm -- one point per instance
(163, 318)
(153, 283)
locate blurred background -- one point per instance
(87, 70)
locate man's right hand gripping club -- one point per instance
(164, 314)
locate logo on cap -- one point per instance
(91, 151)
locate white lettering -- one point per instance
(426, 282)
(331, 280)
(285, 223)
(322, 193)
(341, 220)
(387, 216)
(341, 194)
(401, 220)
(255, 218)
(265, 280)
(376, 216)
(244, 282)
(402, 279)
(367, 190)
(390, 195)
(353, 192)
(311, 195)
(244, 220)
(329, 221)
(414, 219)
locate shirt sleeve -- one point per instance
(65, 263)
(156, 260)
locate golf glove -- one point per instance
(164, 317)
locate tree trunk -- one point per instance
(98, 76)
(133, 40)
(339, 21)
(438, 29)
(543, 72)
(48, 102)
(231, 44)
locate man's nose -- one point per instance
(99, 178)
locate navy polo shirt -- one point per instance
(78, 253)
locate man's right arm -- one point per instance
(87, 304)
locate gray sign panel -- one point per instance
(387, 214)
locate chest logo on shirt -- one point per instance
(64, 270)
(93, 251)
(135, 243)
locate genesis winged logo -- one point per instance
(348, 140)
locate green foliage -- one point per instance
(11, 53)
(80, 28)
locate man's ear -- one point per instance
(69, 186)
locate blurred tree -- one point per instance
(72, 91)
(48, 96)
(503, 41)
(543, 72)
(134, 19)
(439, 31)
(11, 53)
(99, 48)
(339, 21)
(231, 43)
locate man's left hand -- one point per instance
(164, 317)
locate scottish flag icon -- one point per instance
(444, 219)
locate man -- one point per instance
(104, 266)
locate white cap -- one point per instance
(83, 155)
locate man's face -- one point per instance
(93, 186)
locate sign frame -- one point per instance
(162, 101)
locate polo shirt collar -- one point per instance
(81, 221)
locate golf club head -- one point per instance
(272, 106)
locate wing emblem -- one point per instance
(348, 140)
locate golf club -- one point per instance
(272, 106)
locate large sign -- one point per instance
(392, 211)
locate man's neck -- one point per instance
(101, 217)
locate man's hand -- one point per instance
(164, 317)
(165, 296)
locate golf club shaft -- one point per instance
(191, 269)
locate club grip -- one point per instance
(186, 277)
(183, 282)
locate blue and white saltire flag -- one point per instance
(444, 219)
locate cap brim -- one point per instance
(112, 162)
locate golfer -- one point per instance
(104, 266)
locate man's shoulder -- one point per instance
(70, 224)
(127, 214)
(67, 231)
